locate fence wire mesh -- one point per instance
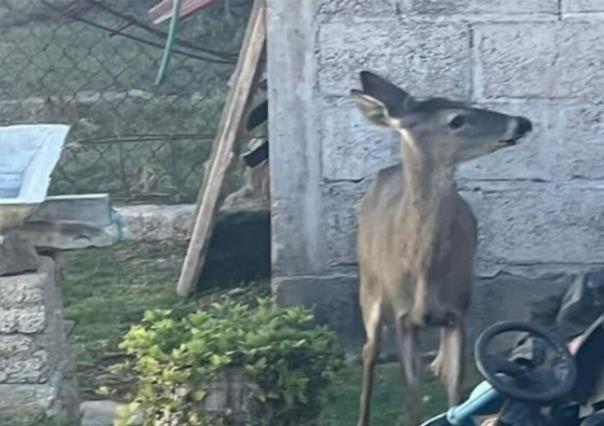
(92, 64)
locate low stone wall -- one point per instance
(153, 222)
(37, 373)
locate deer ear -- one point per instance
(396, 99)
(373, 109)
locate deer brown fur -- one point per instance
(417, 235)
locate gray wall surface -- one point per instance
(540, 205)
(37, 370)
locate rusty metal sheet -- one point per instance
(163, 10)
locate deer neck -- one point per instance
(429, 187)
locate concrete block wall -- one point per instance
(37, 373)
(540, 205)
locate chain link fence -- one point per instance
(92, 64)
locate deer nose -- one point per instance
(524, 126)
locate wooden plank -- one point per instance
(228, 129)
(242, 133)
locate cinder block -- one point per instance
(13, 344)
(334, 299)
(427, 59)
(508, 296)
(340, 216)
(363, 8)
(468, 7)
(531, 224)
(543, 60)
(581, 154)
(353, 148)
(23, 320)
(24, 367)
(22, 290)
(582, 6)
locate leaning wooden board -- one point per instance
(230, 122)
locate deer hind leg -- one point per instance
(451, 361)
(372, 318)
(408, 348)
(437, 366)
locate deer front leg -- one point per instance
(407, 339)
(453, 350)
(372, 318)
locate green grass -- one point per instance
(388, 400)
(107, 290)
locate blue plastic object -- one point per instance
(483, 400)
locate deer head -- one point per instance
(447, 131)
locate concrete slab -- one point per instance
(92, 209)
(28, 155)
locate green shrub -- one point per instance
(288, 361)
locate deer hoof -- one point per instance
(438, 366)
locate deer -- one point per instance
(417, 236)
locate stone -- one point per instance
(155, 223)
(295, 244)
(16, 254)
(513, 296)
(354, 149)
(14, 344)
(92, 209)
(14, 215)
(68, 327)
(37, 372)
(340, 218)
(103, 413)
(24, 367)
(427, 59)
(22, 416)
(530, 224)
(334, 300)
(363, 8)
(67, 235)
(509, 295)
(472, 7)
(295, 148)
(537, 52)
(22, 290)
(27, 394)
(34, 404)
(582, 143)
(582, 6)
(22, 320)
(228, 394)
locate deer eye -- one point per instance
(457, 122)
